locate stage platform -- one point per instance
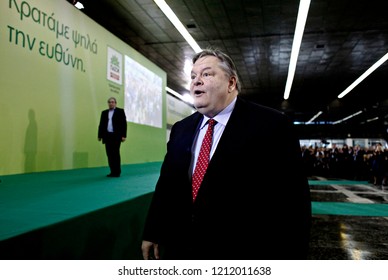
(75, 214)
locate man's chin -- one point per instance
(203, 110)
(199, 106)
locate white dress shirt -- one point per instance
(222, 119)
(110, 116)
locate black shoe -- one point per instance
(112, 175)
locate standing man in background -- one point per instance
(252, 202)
(112, 130)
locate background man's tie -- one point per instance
(203, 158)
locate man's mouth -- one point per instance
(198, 92)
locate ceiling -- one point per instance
(342, 40)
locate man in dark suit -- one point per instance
(112, 130)
(254, 200)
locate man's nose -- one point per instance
(197, 80)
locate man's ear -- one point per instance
(232, 84)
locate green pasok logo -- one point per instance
(115, 64)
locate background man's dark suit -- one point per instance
(113, 140)
(254, 202)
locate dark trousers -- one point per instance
(112, 148)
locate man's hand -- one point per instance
(150, 250)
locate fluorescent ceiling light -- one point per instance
(299, 29)
(79, 5)
(186, 98)
(348, 117)
(178, 25)
(371, 120)
(359, 80)
(363, 76)
(313, 118)
(189, 39)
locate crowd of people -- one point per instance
(347, 162)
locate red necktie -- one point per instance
(203, 158)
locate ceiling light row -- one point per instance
(299, 30)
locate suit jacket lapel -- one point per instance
(233, 131)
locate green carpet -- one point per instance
(351, 209)
(345, 208)
(35, 200)
(336, 182)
